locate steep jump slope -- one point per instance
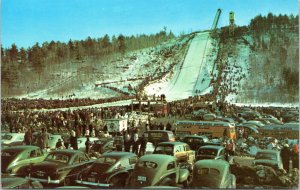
(186, 76)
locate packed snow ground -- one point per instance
(193, 74)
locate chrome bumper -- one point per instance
(43, 180)
(92, 183)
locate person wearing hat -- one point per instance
(285, 154)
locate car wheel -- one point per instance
(67, 181)
(166, 182)
(187, 182)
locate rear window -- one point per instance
(266, 156)
(106, 160)
(164, 149)
(58, 158)
(211, 152)
(206, 171)
(7, 137)
(147, 164)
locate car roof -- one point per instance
(268, 151)
(211, 147)
(118, 155)
(20, 147)
(172, 143)
(157, 158)
(218, 164)
(165, 131)
(14, 134)
(67, 151)
(195, 136)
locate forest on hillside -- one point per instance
(273, 57)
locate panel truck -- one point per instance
(211, 129)
(116, 126)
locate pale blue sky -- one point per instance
(26, 22)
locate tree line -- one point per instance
(78, 50)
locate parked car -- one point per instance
(157, 170)
(255, 122)
(268, 158)
(14, 157)
(195, 141)
(101, 146)
(13, 182)
(110, 170)
(213, 174)
(211, 152)
(157, 136)
(180, 150)
(59, 167)
(12, 137)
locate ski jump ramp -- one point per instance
(186, 76)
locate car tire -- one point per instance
(166, 182)
(67, 181)
(187, 183)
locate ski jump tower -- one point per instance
(231, 23)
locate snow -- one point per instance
(186, 77)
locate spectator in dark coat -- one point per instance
(28, 137)
(169, 127)
(143, 143)
(73, 141)
(88, 145)
(285, 154)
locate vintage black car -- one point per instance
(211, 152)
(195, 141)
(110, 170)
(14, 157)
(101, 146)
(13, 182)
(59, 167)
(213, 174)
(158, 170)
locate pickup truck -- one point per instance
(180, 150)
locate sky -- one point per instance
(25, 22)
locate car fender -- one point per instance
(183, 175)
(123, 172)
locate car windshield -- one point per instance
(212, 152)
(58, 158)
(164, 149)
(7, 137)
(106, 160)
(265, 156)
(147, 164)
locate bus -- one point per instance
(287, 130)
(211, 129)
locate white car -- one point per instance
(8, 138)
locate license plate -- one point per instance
(91, 179)
(40, 174)
(142, 178)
